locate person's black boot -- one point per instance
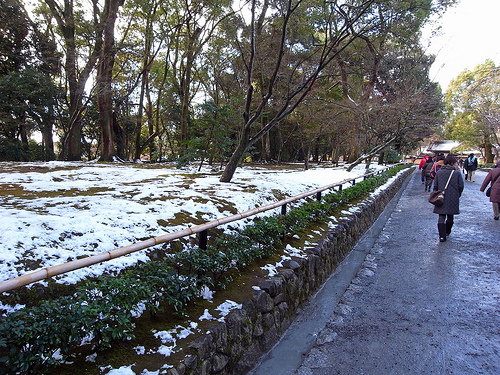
(449, 225)
(442, 232)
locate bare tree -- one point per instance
(343, 24)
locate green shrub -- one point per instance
(12, 150)
(30, 338)
(40, 153)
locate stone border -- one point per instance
(235, 346)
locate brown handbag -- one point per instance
(437, 197)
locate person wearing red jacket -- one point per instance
(421, 165)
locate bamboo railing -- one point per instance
(59, 269)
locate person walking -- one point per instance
(451, 204)
(421, 166)
(470, 166)
(493, 177)
(426, 173)
(437, 165)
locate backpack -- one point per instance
(428, 168)
(436, 167)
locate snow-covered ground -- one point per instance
(58, 211)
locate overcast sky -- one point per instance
(470, 35)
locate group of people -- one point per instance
(443, 173)
(429, 166)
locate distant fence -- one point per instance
(202, 229)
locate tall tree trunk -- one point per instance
(185, 85)
(488, 153)
(119, 137)
(232, 164)
(104, 76)
(23, 133)
(138, 126)
(104, 105)
(146, 67)
(265, 153)
(48, 142)
(71, 144)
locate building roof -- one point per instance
(442, 146)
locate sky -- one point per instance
(469, 36)
(69, 210)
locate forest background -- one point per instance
(223, 81)
(215, 82)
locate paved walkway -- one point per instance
(404, 303)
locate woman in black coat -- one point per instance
(452, 195)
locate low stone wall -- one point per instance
(236, 345)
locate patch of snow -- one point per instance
(69, 210)
(91, 357)
(140, 350)
(206, 316)
(226, 307)
(124, 370)
(207, 294)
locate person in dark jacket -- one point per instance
(493, 177)
(470, 166)
(437, 165)
(421, 166)
(451, 205)
(426, 172)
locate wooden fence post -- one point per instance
(283, 209)
(203, 238)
